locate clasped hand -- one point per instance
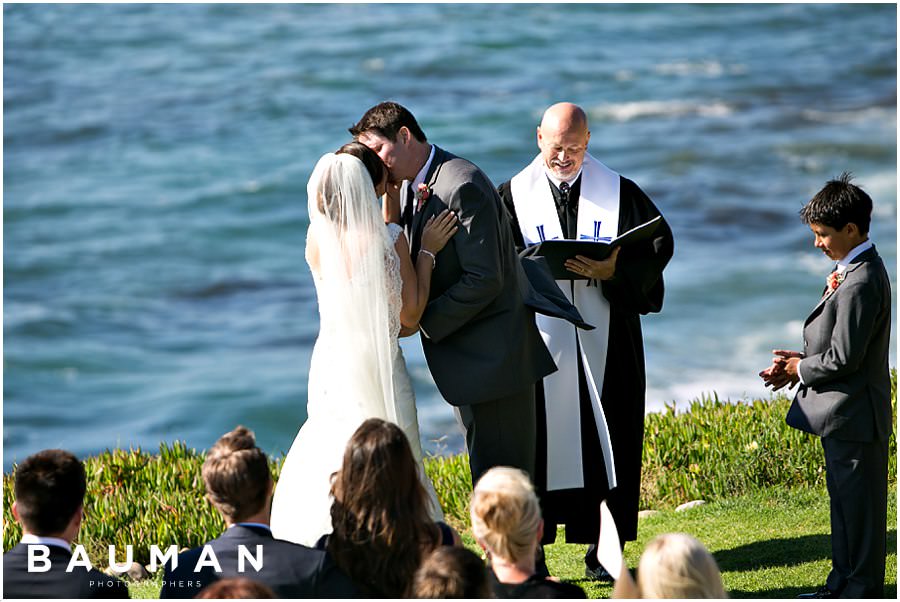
(783, 371)
(595, 270)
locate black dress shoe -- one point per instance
(822, 592)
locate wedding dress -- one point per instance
(357, 370)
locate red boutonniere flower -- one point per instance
(834, 280)
(422, 194)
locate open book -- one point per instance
(558, 251)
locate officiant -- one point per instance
(590, 414)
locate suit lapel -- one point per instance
(868, 255)
(431, 177)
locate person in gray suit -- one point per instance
(845, 389)
(479, 337)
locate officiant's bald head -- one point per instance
(563, 138)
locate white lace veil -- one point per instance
(357, 294)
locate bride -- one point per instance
(367, 288)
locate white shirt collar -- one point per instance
(844, 263)
(420, 177)
(556, 181)
(29, 538)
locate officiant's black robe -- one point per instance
(636, 288)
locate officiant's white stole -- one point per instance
(598, 219)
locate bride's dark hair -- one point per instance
(374, 164)
(382, 527)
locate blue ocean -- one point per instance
(156, 160)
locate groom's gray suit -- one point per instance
(846, 400)
(480, 339)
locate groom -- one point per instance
(480, 340)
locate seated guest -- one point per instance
(507, 524)
(380, 518)
(239, 484)
(236, 587)
(674, 565)
(453, 572)
(49, 489)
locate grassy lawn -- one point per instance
(768, 545)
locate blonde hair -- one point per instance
(505, 513)
(676, 565)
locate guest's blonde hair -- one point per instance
(676, 565)
(505, 513)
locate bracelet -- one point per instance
(430, 254)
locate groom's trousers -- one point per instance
(501, 432)
(856, 473)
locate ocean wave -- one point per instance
(884, 115)
(628, 111)
(709, 68)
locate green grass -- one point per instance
(772, 544)
(766, 520)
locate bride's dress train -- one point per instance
(342, 393)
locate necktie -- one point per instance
(407, 216)
(564, 194)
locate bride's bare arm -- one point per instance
(417, 278)
(390, 204)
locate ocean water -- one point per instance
(156, 158)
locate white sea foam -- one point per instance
(659, 108)
(709, 68)
(884, 115)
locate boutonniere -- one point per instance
(834, 280)
(422, 194)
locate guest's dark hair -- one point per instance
(374, 164)
(838, 204)
(235, 588)
(236, 475)
(386, 119)
(380, 517)
(49, 489)
(452, 572)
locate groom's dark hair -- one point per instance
(49, 489)
(838, 204)
(387, 118)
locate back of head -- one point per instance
(234, 588)
(380, 519)
(341, 189)
(49, 489)
(676, 565)
(505, 513)
(236, 475)
(370, 159)
(386, 119)
(838, 204)
(452, 572)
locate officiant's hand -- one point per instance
(595, 270)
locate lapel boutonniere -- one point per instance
(834, 280)
(422, 194)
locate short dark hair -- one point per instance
(236, 475)
(49, 489)
(387, 118)
(374, 164)
(452, 572)
(838, 204)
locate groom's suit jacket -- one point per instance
(846, 338)
(479, 338)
